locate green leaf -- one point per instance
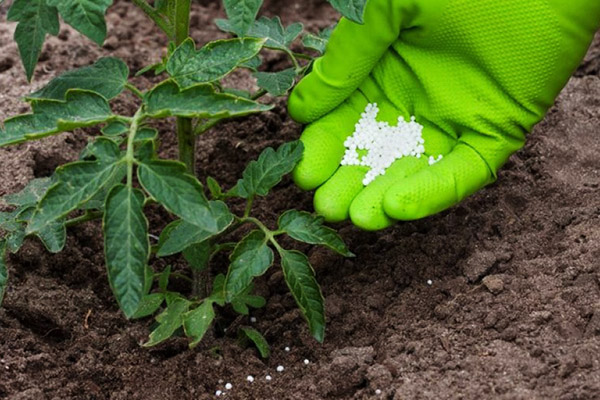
(126, 246)
(81, 109)
(181, 234)
(85, 16)
(169, 321)
(212, 62)
(145, 150)
(148, 305)
(215, 189)
(262, 174)
(115, 128)
(241, 14)
(253, 63)
(300, 278)
(241, 301)
(317, 42)
(54, 236)
(271, 29)
(276, 83)
(218, 290)
(180, 193)
(163, 279)
(197, 255)
(76, 183)
(107, 77)
(3, 270)
(145, 134)
(97, 201)
(30, 195)
(103, 149)
(259, 341)
(250, 258)
(36, 19)
(352, 9)
(199, 101)
(15, 239)
(308, 228)
(197, 322)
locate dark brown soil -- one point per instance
(512, 311)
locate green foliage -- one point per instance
(149, 304)
(241, 14)
(181, 234)
(277, 36)
(86, 16)
(308, 228)
(80, 109)
(304, 287)
(126, 246)
(197, 322)
(107, 77)
(242, 301)
(257, 339)
(75, 184)
(317, 42)
(178, 192)
(169, 321)
(199, 101)
(120, 173)
(36, 19)
(352, 9)
(261, 175)
(212, 62)
(250, 258)
(276, 83)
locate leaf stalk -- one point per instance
(155, 16)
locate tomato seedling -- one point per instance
(119, 173)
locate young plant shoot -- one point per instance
(119, 173)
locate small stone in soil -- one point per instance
(250, 378)
(253, 319)
(429, 282)
(228, 386)
(218, 393)
(287, 348)
(378, 392)
(306, 362)
(280, 368)
(268, 377)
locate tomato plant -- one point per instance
(119, 173)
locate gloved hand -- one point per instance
(478, 75)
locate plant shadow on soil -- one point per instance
(512, 311)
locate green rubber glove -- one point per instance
(478, 75)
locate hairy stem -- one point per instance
(88, 216)
(155, 16)
(129, 157)
(185, 132)
(134, 90)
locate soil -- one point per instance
(498, 297)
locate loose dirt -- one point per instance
(498, 297)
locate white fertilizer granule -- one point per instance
(382, 142)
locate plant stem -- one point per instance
(88, 216)
(248, 207)
(155, 16)
(185, 132)
(182, 20)
(129, 157)
(134, 90)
